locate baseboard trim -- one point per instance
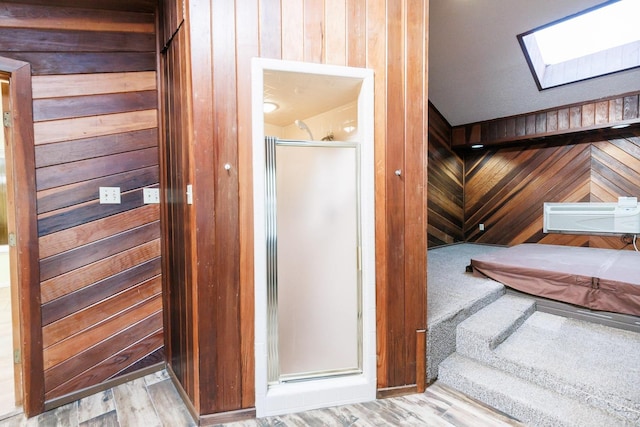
(227, 417)
(385, 393)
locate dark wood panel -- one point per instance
(82, 298)
(590, 115)
(73, 194)
(73, 280)
(93, 105)
(31, 40)
(92, 336)
(74, 216)
(445, 184)
(94, 356)
(87, 148)
(505, 189)
(51, 16)
(83, 255)
(84, 319)
(84, 63)
(148, 6)
(82, 170)
(93, 231)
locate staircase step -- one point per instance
(528, 402)
(482, 332)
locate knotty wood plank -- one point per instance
(80, 256)
(93, 105)
(107, 419)
(92, 84)
(98, 404)
(86, 148)
(108, 358)
(78, 63)
(71, 281)
(85, 191)
(602, 112)
(51, 17)
(630, 109)
(84, 170)
(146, 6)
(65, 40)
(84, 127)
(58, 242)
(616, 110)
(78, 343)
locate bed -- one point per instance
(599, 279)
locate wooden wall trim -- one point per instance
(586, 116)
(26, 229)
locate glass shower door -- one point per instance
(313, 251)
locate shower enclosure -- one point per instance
(313, 252)
(314, 241)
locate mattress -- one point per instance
(599, 279)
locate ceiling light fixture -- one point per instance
(269, 107)
(476, 146)
(621, 126)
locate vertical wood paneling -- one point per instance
(216, 130)
(247, 18)
(69, 109)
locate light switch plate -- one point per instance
(151, 195)
(109, 195)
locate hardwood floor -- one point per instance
(153, 401)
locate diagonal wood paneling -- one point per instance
(506, 188)
(95, 117)
(445, 185)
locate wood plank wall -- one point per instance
(564, 120)
(210, 289)
(505, 188)
(95, 124)
(445, 199)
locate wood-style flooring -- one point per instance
(153, 401)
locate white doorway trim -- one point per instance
(310, 394)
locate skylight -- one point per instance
(592, 43)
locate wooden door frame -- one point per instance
(25, 226)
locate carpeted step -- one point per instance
(481, 333)
(530, 403)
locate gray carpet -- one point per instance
(540, 368)
(453, 295)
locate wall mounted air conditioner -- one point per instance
(593, 218)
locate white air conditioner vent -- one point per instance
(592, 218)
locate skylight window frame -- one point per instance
(547, 76)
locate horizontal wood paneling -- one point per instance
(445, 195)
(505, 188)
(95, 114)
(598, 114)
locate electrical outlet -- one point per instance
(481, 227)
(110, 195)
(151, 195)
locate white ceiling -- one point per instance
(478, 72)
